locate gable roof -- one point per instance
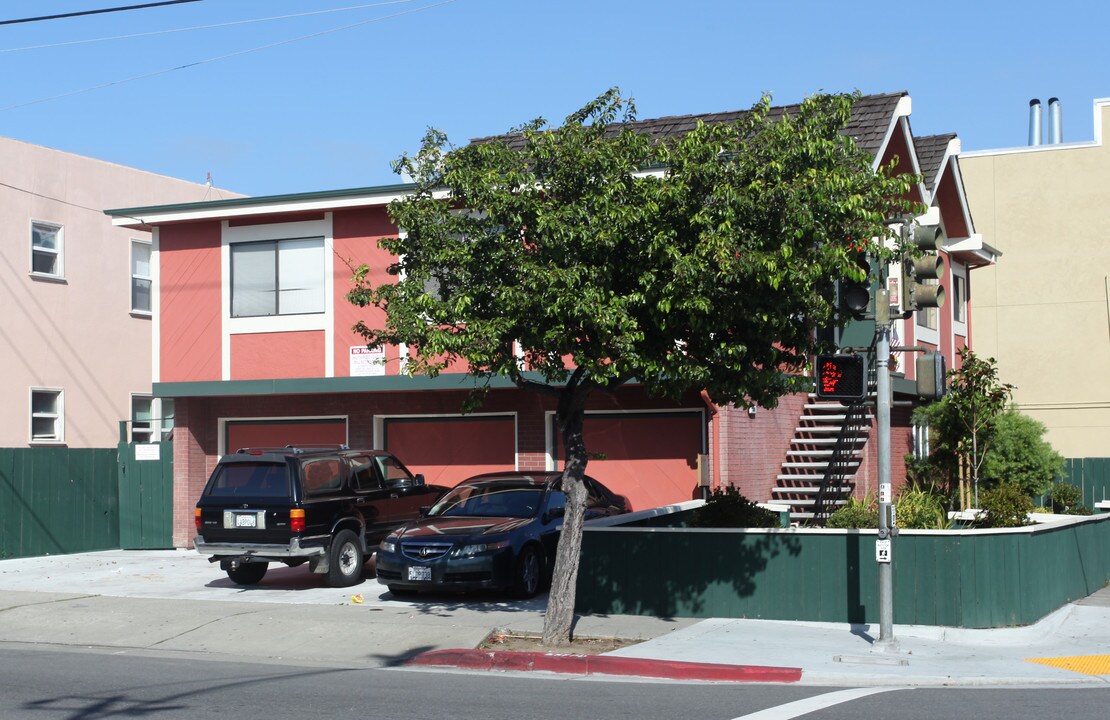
(931, 150)
(873, 122)
(869, 125)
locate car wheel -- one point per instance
(247, 573)
(345, 560)
(398, 591)
(529, 573)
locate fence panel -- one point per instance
(58, 501)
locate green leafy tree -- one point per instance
(963, 423)
(574, 259)
(1019, 454)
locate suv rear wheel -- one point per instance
(247, 573)
(345, 559)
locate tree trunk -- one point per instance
(560, 603)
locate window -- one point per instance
(151, 419)
(921, 439)
(277, 277)
(142, 418)
(140, 276)
(167, 418)
(959, 298)
(46, 249)
(46, 415)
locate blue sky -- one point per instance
(332, 111)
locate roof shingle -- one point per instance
(871, 117)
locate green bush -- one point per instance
(1005, 505)
(858, 513)
(1067, 500)
(1019, 455)
(727, 508)
(920, 507)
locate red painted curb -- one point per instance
(604, 665)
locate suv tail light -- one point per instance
(296, 520)
(196, 518)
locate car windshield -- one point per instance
(254, 479)
(489, 501)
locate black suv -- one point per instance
(326, 507)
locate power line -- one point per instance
(205, 27)
(95, 12)
(220, 57)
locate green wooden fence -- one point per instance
(57, 500)
(969, 578)
(1091, 476)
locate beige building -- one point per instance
(1044, 311)
(75, 300)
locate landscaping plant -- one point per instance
(726, 507)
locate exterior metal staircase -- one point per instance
(817, 476)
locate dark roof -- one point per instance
(930, 154)
(871, 117)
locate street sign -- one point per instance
(882, 550)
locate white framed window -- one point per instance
(921, 440)
(47, 415)
(165, 424)
(140, 276)
(151, 418)
(47, 245)
(277, 277)
(959, 300)
(142, 418)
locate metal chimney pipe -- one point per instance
(1055, 122)
(1035, 121)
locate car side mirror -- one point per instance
(424, 510)
(554, 513)
(419, 479)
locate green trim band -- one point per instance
(309, 386)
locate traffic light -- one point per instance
(855, 295)
(920, 261)
(841, 377)
(931, 375)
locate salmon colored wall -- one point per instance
(449, 450)
(355, 235)
(189, 263)
(277, 355)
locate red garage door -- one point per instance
(279, 433)
(651, 458)
(448, 450)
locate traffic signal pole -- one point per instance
(883, 544)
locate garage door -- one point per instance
(279, 433)
(448, 450)
(651, 458)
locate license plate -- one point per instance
(246, 521)
(417, 572)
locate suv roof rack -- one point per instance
(295, 449)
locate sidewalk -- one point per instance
(175, 601)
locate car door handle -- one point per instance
(394, 495)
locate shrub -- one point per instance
(727, 508)
(1067, 499)
(858, 513)
(1005, 505)
(921, 507)
(1019, 455)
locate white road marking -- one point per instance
(818, 702)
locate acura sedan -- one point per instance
(496, 531)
